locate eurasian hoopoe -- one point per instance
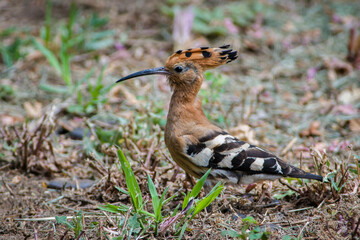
(197, 145)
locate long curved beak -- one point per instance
(159, 70)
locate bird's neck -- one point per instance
(182, 97)
(185, 106)
(185, 95)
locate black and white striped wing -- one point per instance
(221, 151)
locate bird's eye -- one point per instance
(178, 69)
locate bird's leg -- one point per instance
(265, 191)
(190, 180)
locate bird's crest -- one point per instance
(204, 56)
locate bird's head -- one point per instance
(185, 67)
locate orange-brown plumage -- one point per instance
(204, 57)
(197, 145)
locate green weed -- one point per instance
(248, 231)
(6, 92)
(142, 219)
(85, 37)
(62, 67)
(157, 202)
(76, 225)
(137, 210)
(203, 203)
(98, 95)
(280, 195)
(11, 52)
(287, 237)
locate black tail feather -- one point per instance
(299, 173)
(306, 176)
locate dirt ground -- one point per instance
(294, 90)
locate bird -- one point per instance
(194, 142)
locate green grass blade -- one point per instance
(85, 78)
(6, 56)
(182, 231)
(95, 90)
(113, 208)
(48, 54)
(197, 188)
(63, 220)
(71, 20)
(208, 199)
(100, 44)
(131, 183)
(54, 88)
(66, 71)
(155, 199)
(79, 98)
(48, 14)
(147, 213)
(122, 190)
(162, 201)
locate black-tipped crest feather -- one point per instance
(206, 57)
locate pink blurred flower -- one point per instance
(183, 23)
(336, 146)
(311, 73)
(230, 26)
(119, 46)
(286, 43)
(346, 109)
(336, 18)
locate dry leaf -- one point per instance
(251, 46)
(244, 132)
(346, 109)
(130, 98)
(289, 27)
(306, 98)
(320, 146)
(313, 130)
(32, 57)
(33, 110)
(16, 180)
(10, 120)
(126, 114)
(354, 125)
(350, 96)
